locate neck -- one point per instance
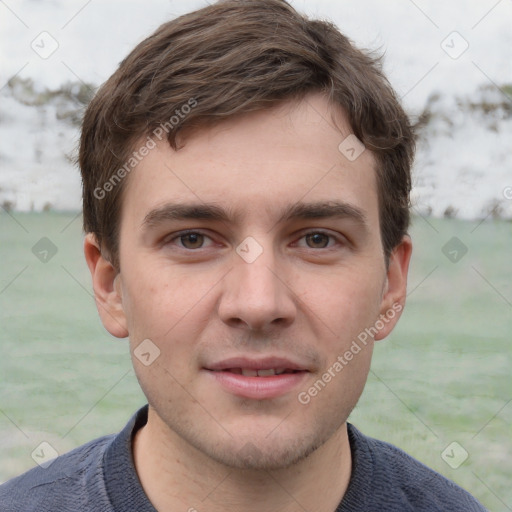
(176, 476)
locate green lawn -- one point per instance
(443, 376)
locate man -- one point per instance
(246, 178)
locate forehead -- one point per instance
(258, 165)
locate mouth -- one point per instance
(267, 372)
(261, 379)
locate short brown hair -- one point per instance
(230, 58)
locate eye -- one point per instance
(317, 240)
(191, 240)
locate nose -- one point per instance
(255, 294)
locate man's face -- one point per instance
(256, 246)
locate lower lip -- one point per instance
(258, 388)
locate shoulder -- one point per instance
(61, 484)
(399, 480)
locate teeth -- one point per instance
(247, 372)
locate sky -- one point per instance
(429, 47)
(93, 36)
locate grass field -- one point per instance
(443, 376)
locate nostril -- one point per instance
(237, 322)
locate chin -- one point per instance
(266, 453)
(252, 442)
(264, 458)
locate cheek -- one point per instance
(172, 313)
(344, 302)
(160, 302)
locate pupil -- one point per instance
(317, 239)
(192, 240)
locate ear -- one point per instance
(107, 288)
(395, 288)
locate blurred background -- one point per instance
(441, 385)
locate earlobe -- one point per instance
(393, 299)
(107, 288)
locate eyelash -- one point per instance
(181, 234)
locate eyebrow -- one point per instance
(323, 210)
(198, 211)
(171, 211)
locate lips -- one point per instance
(257, 378)
(249, 372)
(239, 364)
